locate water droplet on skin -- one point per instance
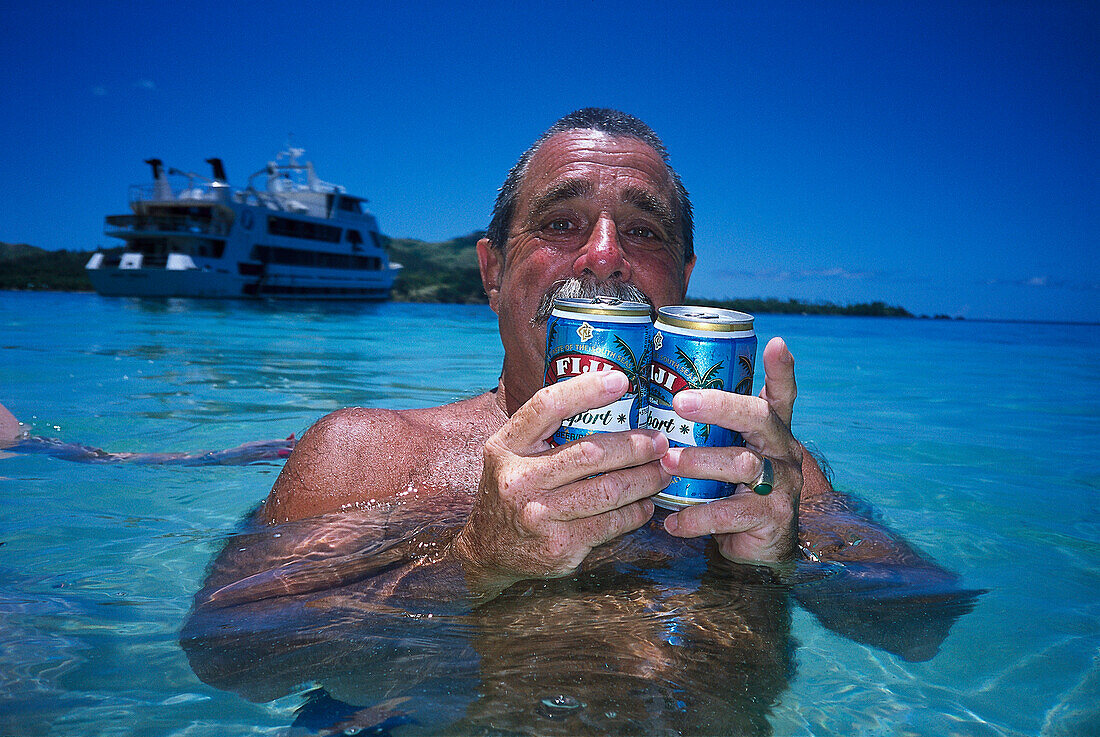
(558, 706)
(561, 701)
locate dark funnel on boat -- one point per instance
(219, 170)
(157, 165)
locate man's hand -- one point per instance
(746, 526)
(541, 509)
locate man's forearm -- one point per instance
(376, 559)
(265, 630)
(865, 581)
(834, 526)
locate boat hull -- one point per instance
(162, 283)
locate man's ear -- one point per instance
(688, 267)
(491, 262)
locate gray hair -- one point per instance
(612, 122)
(586, 287)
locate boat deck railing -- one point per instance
(168, 192)
(123, 225)
(296, 201)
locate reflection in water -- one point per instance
(620, 651)
(654, 635)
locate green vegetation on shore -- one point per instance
(30, 268)
(773, 306)
(437, 272)
(433, 272)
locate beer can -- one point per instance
(697, 348)
(600, 334)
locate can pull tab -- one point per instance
(607, 300)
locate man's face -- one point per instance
(594, 207)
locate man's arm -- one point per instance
(867, 583)
(335, 466)
(883, 592)
(537, 513)
(320, 597)
(540, 510)
(768, 528)
(747, 526)
(10, 428)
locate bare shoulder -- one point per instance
(10, 429)
(357, 456)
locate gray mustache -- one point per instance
(577, 288)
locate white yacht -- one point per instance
(294, 236)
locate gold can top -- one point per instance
(713, 319)
(602, 306)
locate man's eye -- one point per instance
(559, 224)
(640, 231)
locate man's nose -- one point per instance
(603, 256)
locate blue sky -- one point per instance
(940, 156)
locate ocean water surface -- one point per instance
(975, 441)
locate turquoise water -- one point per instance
(977, 441)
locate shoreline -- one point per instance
(994, 320)
(443, 273)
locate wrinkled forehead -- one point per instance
(599, 159)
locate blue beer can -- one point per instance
(600, 334)
(697, 348)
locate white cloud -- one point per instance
(1043, 281)
(835, 273)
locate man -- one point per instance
(593, 201)
(383, 564)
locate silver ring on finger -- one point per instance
(763, 483)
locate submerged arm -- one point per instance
(375, 572)
(864, 581)
(875, 587)
(310, 600)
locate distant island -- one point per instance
(433, 272)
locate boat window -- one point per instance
(350, 204)
(201, 212)
(149, 246)
(211, 248)
(315, 259)
(303, 229)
